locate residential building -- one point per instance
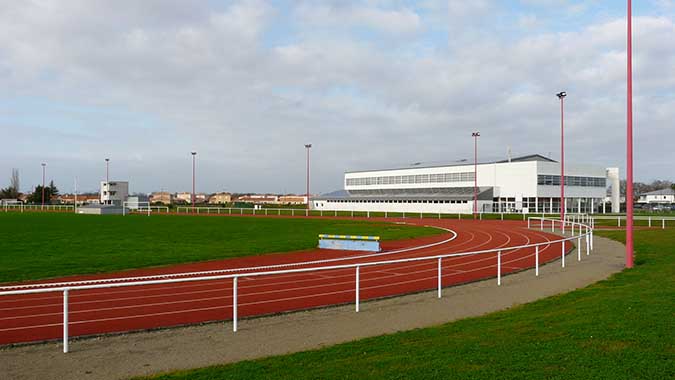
(220, 198)
(659, 196)
(163, 197)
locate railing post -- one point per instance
(357, 288)
(65, 321)
(306, 212)
(579, 248)
(439, 277)
(588, 244)
(542, 223)
(650, 221)
(562, 252)
(618, 221)
(528, 223)
(663, 224)
(552, 225)
(536, 260)
(499, 268)
(367, 214)
(234, 304)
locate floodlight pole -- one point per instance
(629, 137)
(561, 96)
(193, 180)
(475, 136)
(43, 185)
(308, 147)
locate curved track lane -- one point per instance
(38, 317)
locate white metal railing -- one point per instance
(651, 219)
(35, 207)
(142, 207)
(343, 213)
(585, 231)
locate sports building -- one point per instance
(524, 184)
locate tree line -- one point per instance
(12, 191)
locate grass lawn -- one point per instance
(44, 245)
(621, 328)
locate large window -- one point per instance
(554, 180)
(412, 179)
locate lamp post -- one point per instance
(107, 179)
(43, 185)
(308, 147)
(629, 137)
(475, 136)
(561, 96)
(194, 154)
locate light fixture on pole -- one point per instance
(308, 147)
(193, 180)
(475, 136)
(43, 185)
(561, 96)
(629, 136)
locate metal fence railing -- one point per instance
(584, 231)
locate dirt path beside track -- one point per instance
(124, 356)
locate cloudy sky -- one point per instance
(370, 84)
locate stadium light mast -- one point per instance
(475, 136)
(308, 147)
(194, 154)
(561, 95)
(629, 136)
(107, 178)
(43, 185)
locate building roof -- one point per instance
(421, 165)
(666, 191)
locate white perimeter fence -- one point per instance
(34, 207)
(584, 231)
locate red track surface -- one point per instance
(38, 317)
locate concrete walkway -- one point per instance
(124, 356)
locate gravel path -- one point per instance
(124, 356)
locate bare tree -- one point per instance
(14, 181)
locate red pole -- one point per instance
(475, 173)
(308, 146)
(43, 185)
(629, 140)
(107, 179)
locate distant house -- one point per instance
(220, 198)
(82, 199)
(293, 199)
(658, 196)
(186, 197)
(163, 197)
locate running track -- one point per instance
(38, 317)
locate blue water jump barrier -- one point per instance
(350, 242)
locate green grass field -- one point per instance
(45, 245)
(621, 328)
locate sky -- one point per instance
(370, 84)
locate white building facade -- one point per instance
(663, 196)
(114, 192)
(529, 184)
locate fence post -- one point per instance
(663, 224)
(618, 221)
(65, 321)
(588, 244)
(234, 303)
(439, 277)
(542, 223)
(367, 214)
(528, 223)
(536, 260)
(650, 221)
(306, 212)
(562, 252)
(499, 268)
(403, 214)
(357, 288)
(502, 216)
(352, 213)
(552, 225)
(579, 248)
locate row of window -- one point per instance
(554, 180)
(408, 179)
(393, 201)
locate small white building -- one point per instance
(114, 192)
(663, 196)
(529, 184)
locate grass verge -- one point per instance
(620, 328)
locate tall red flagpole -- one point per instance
(629, 140)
